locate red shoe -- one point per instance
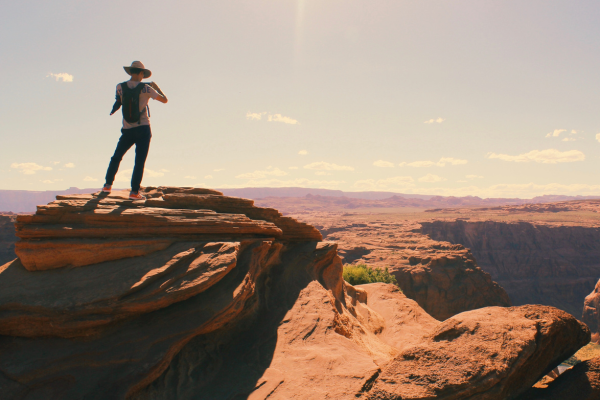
(106, 188)
(136, 196)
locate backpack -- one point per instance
(131, 102)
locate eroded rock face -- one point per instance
(443, 278)
(536, 263)
(491, 353)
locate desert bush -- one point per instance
(361, 273)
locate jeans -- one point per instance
(140, 136)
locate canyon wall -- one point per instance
(536, 264)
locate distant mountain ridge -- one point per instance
(23, 201)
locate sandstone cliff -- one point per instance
(195, 295)
(534, 263)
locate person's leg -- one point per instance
(142, 145)
(125, 142)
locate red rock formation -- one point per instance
(491, 353)
(443, 278)
(78, 230)
(255, 312)
(535, 263)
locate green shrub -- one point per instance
(361, 273)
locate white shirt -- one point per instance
(145, 95)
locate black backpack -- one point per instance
(131, 102)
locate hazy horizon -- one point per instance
(489, 99)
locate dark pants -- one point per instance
(140, 136)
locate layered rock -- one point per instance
(536, 263)
(443, 278)
(7, 237)
(77, 230)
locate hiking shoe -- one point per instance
(136, 196)
(106, 188)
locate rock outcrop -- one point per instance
(77, 230)
(443, 278)
(490, 353)
(591, 312)
(7, 237)
(582, 382)
(234, 306)
(534, 263)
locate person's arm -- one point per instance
(117, 104)
(161, 96)
(162, 99)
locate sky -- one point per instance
(463, 97)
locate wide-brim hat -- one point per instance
(139, 65)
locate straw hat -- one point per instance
(138, 64)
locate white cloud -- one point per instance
(270, 171)
(441, 163)
(281, 118)
(417, 164)
(430, 178)
(254, 116)
(397, 182)
(303, 152)
(322, 173)
(49, 181)
(549, 156)
(569, 139)
(90, 179)
(189, 177)
(598, 137)
(556, 133)
(474, 177)
(383, 164)
(293, 167)
(208, 177)
(219, 169)
(125, 175)
(164, 170)
(436, 120)
(63, 75)
(573, 132)
(29, 168)
(69, 165)
(325, 166)
(56, 162)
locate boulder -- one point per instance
(490, 353)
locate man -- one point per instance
(134, 95)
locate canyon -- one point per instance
(193, 294)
